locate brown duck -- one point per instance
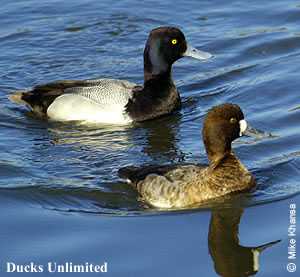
(177, 186)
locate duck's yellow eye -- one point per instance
(174, 41)
(233, 120)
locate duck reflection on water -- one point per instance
(230, 258)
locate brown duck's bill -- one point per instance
(197, 54)
(256, 133)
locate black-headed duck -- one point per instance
(118, 101)
(178, 186)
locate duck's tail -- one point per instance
(17, 97)
(129, 174)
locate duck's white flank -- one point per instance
(103, 101)
(68, 107)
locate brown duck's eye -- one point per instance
(233, 120)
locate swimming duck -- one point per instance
(178, 186)
(118, 101)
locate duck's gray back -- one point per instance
(105, 91)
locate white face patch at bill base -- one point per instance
(243, 126)
(255, 259)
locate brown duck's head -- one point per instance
(164, 46)
(222, 125)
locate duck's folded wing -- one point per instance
(174, 171)
(104, 91)
(168, 186)
(41, 96)
(63, 85)
(135, 174)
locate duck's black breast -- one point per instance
(155, 99)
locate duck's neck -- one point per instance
(161, 75)
(220, 163)
(223, 160)
(158, 83)
(220, 157)
(156, 70)
(160, 86)
(218, 148)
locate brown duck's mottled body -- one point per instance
(185, 185)
(175, 186)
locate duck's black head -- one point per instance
(222, 125)
(164, 46)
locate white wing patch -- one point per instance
(103, 101)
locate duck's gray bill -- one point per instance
(197, 54)
(249, 131)
(256, 133)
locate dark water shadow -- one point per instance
(231, 259)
